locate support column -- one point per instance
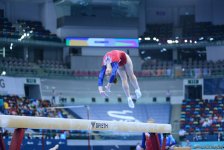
(164, 142)
(25, 54)
(175, 54)
(155, 141)
(17, 139)
(2, 143)
(142, 17)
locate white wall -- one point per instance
(142, 17)
(91, 58)
(23, 10)
(176, 99)
(34, 11)
(93, 63)
(218, 12)
(104, 27)
(86, 63)
(159, 15)
(170, 3)
(210, 10)
(2, 5)
(101, 51)
(14, 86)
(52, 54)
(160, 11)
(109, 32)
(203, 12)
(215, 53)
(63, 11)
(48, 16)
(84, 89)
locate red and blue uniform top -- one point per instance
(116, 58)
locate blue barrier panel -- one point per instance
(36, 144)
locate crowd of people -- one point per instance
(202, 120)
(14, 105)
(195, 69)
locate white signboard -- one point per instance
(15, 86)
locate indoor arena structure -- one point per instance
(111, 74)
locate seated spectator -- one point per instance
(1, 105)
(196, 137)
(55, 147)
(6, 107)
(57, 136)
(29, 136)
(5, 134)
(182, 134)
(138, 147)
(63, 136)
(188, 144)
(220, 136)
(169, 72)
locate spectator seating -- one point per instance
(203, 116)
(14, 105)
(37, 31)
(34, 28)
(51, 64)
(51, 67)
(203, 29)
(195, 69)
(150, 68)
(17, 66)
(191, 31)
(158, 31)
(6, 29)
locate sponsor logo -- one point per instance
(194, 82)
(2, 83)
(48, 142)
(30, 143)
(31, 81)
(101, 41)
(97, 125)
(124, 115)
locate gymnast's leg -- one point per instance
(124, 80)
(129, 70)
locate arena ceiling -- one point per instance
(98, 2)
(30, 1)
(128, 8)
(112, 2)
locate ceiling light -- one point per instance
(3, 73)
(147, 38)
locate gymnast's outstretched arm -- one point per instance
(113, 75)
(100, 78)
